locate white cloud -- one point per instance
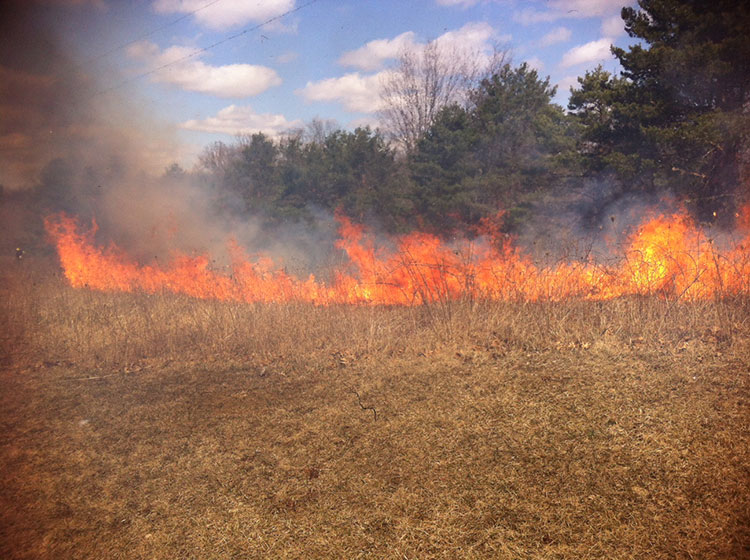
(356, 92)
(287, 57)
(372, 55)
(231, 80)
(361, 92)
(613, 26)
(143, 50)
(225, 14)
(589, 8)
(590, 52)
(461, 3)
(563, 89)
(557, 35)
(535, 63)
(560, 9)
(242, 120)
(474, 36)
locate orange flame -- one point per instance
(667, 255)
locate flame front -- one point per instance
(667, 255)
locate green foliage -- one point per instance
(441, 168)
(523, 136)
(594, 104)
(503, 153)
(678, 117)
(253, 175)
(355, 172)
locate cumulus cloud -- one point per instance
(242, 120)
(192, 74)
(589, 8)
(557, 35)
(361, 92)
(563, 89)
(227, 14)
(356, 92)
(560, 9)
(594, 51)
(472, 37)
(372, 55)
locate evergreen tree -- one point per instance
(606, 131)
(508, 150)
(524, 137)
(286, 180)
(362, 176)
(440, 168)
(253, 174)
(678, 117)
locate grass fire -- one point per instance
(666, 255)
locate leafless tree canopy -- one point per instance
(426, 80)
(216, 157)
(318, 129)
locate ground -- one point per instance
(374, 433)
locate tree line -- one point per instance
(461, 141)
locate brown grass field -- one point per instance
(161, 427)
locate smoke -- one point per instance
(33, 82)
(155, 218)
(594, 220)
(70, 143)
(54, 106)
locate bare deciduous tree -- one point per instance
(424, 81)
(216, 157)
(317, 130)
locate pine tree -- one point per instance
(678, 118)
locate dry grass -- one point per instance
(159, 426)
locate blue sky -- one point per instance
(325, 60)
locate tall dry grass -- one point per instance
(461, 429)
(44, 320)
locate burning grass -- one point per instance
(667, 255)
(162, 426)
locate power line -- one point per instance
(204, 49)
(145, 35)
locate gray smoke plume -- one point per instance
(70, 142)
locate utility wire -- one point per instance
(144, 36)
(204, 49)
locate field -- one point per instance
(162, 427)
